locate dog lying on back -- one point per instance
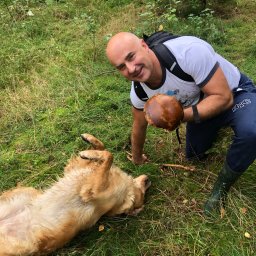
(34, 222)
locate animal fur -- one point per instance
(34, 222)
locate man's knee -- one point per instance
(242, 152)
(248, 135)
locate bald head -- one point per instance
(119, 42)
(132, 57)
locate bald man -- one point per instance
(229, 99)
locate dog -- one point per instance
(34, 222)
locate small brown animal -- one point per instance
(34, 222)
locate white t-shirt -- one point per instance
(198, 59)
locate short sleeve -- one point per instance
(200, 62)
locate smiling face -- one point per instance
(132, 57)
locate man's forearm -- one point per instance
(218, 99)
(138, 140)
(208, 108)
(138, 137)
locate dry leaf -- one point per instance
(243, 210)
(222, 213)
(161, 27)
(101, 228)
(247, 235)
(185, 201)
(30, 13)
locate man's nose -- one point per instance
(130, 67)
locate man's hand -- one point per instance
(141, 160)
(137, 160)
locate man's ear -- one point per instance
(144, 44)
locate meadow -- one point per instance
(56, 83)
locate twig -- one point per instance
(179, 166)
(128, 155)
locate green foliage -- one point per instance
(157, 13)
(117, 3)
(221, 8)
(207, 27)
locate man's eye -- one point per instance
(131, 57)
(121, 67)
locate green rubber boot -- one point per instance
(225, 180)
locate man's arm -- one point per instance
(139, 129)
(218, 98)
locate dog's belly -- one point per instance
(16, 224)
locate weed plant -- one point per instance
(56, 83)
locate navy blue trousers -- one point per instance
(241, 118)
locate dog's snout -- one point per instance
(147, 182)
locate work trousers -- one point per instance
(241, 118)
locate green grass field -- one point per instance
(56, 83)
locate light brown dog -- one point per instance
(36, 222)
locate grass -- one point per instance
(56, 83)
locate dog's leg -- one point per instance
(100, 174)
(96, 144)
(105, 158)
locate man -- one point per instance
(229, 99)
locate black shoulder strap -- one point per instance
(140, 91)
(169, 61)
(158, 38)
(155, 42)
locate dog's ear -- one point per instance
(138, 199)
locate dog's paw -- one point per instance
(88, 154)
(96, 144)
(96, 155)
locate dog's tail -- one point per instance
(95, 143)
